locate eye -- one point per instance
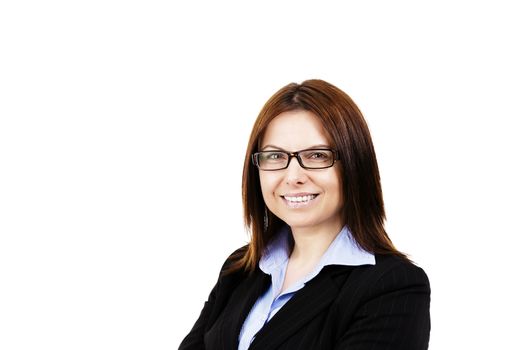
(274, 156)
(318, 155)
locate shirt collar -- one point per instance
(343, 250)
(277, 252)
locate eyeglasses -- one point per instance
(308, 159)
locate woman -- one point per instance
(320, 271)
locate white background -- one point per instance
(117, 205)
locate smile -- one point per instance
(299, 201)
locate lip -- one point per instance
(297, 205)
(300, 194)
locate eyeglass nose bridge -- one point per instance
(296, 156)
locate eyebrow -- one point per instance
(282, 149)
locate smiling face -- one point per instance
(306, 199)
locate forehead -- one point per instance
(295, 130)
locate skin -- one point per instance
(314, 225)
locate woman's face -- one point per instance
(306, 199)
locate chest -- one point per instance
(307, 321)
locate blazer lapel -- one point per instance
(316, 295)
(242, 301)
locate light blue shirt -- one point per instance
(342, 251)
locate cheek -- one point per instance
(334, 185)
(269, 183)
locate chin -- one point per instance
(296, 224)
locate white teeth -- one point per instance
(300, 198)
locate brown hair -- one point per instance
(363, 210)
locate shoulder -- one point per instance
(393, 292)
(391, 266)
(392, 273)
(400, 270)
(229, 272)
(230, 280)
(233, 257)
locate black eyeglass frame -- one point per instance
(255, 158)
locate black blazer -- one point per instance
(382, 306)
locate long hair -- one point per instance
(363, 210)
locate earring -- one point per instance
(265, 219)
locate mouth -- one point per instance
(296, 201)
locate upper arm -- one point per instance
(394, 313)
(195, 338)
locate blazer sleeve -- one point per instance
(394, 314)
(195, 338)
(218, 295)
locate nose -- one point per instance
(295, 174)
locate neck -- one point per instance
(312, 243)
